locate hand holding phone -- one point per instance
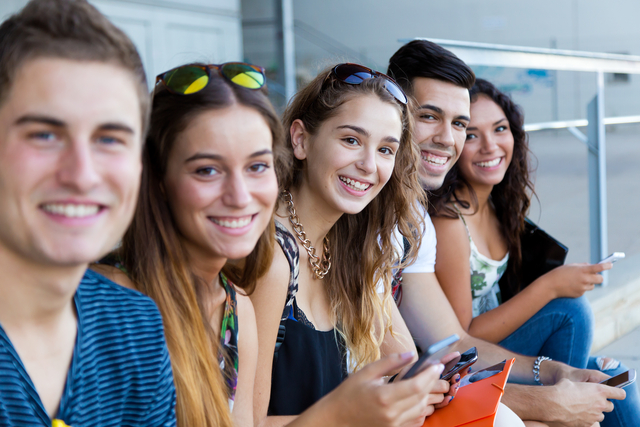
(432, 356)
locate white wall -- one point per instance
(168, 33)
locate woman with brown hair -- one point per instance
(208, 193)
(481, 208)
(479, 215)
(353, 180)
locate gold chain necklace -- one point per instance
(320, 268)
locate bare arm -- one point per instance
(430, 318)
(247, 359)
(453, 273)
(400, 341)
(569, 281)
(268, 300)
(571, 404)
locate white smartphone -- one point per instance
(621, 380)
(616, 256)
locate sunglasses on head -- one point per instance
(188, 79)
(355, 74)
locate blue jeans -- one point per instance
(563, 330)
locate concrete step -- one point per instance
(617, 306)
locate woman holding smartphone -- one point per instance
(353, 179)
(479, 215)
(208, 193)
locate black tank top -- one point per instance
(307, 363)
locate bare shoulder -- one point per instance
(114, 274)
(272, 287)
(245, 307)
(449, 228)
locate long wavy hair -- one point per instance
(362, 251)
(511, 198)
(155, 258)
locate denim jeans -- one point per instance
(563, 330)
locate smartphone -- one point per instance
(432, 356)
(461, 362)
(622, 380)
(616, 256)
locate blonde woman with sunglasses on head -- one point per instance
(353, 180)
(208, 192)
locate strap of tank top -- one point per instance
(463, 221)
(290, 248)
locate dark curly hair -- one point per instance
(512, 196)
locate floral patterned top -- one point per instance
(485, 274)
(228, 357)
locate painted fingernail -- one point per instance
(457, 377)
(450, 400)
(469, 371)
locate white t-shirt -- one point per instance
(426, 259)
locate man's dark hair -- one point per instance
(422, 58)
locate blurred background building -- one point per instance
(295, 39)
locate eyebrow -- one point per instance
(51, 121)
(432, 108)
(218, 157)
(40, 119)
(441, 111)
(366, 133)
(496, 123)
(356, 129)
(116, 126)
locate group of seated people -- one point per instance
(268, 271)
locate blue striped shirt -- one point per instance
(120, 374)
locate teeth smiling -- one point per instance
(356, 185)
(490, 163)
(233, 223)
(71, 210)
(432, 158)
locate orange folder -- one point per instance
(475, 404)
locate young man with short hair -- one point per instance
(75, 349)
(440, 82)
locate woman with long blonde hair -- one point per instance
(208, 193)
(327, 291)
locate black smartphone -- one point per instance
(432, 356)
(621, 380)
(461, 362)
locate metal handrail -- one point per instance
(565, 124)
(499, 55)
(528, 49)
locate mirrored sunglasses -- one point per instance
(355, 74)
(188, 79)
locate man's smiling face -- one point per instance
(442, 117)
(70, 160)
